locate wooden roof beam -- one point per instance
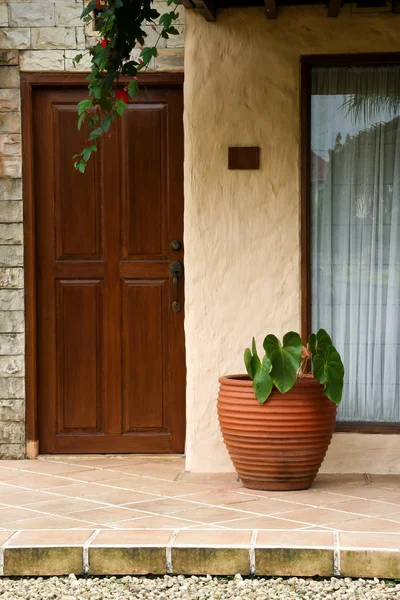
(206, 8)
(334, 7)
(271, 9)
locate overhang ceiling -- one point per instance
(209, 8)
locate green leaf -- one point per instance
(88, 9)
(147, 55)
(285, 359)
(329, 370)
(133, 88)
(84, 105)
(256, 362)
(120, 107)
(77, 58)
(312, 340)
(173, 31)
(96, 133)
(248, 357)
(166, 20)
(81, 120)
(86, 152)
(319, 343)
(106, 122)
(252, 360)
(118, 4)
(263, 383)
(80, 165)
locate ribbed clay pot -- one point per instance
(278, 445)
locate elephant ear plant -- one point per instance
(284, 362)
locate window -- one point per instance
(354, 237)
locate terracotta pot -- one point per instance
(278, 445)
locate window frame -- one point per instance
(307, 63)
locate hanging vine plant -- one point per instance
(121, 33)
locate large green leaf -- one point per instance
(262, 383)
(319, 343)
(329, 370)
(285, 359)
(252, 360)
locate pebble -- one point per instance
(197, 588)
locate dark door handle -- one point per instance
(176, 271)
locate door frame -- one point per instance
(307, 63)
(30, 81)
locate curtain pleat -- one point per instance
(355, 231)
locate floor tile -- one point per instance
(154, 522)
(155, 471)
(18, 497)
(188, 477)
(368, 507)
(295, 539)
(63, 506)
(265, 506)
(125, 538)
(81, 490)
(166, 489)
(42, 482)
(7, 515)
(105, 515)
(89, 475)
(318, 516)
(164, 506)
(207, 538)
(113, 496)
(129, 482)
(51, 538)
(314, 498)
(220, 497)
(370, 540)
(211, 514)
(50, 467)
(48, 522)
(371, 524)
(4, 536)
(262, 523)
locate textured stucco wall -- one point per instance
(242, 77)
(35, 36)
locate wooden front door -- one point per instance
(110, 348)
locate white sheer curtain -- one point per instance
(355, 231)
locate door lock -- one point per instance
(176, 245)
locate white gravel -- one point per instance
(196, 588)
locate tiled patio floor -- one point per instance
(121, 514)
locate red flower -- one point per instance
(103, 42)
(122, 95)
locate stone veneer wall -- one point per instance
(34, 36)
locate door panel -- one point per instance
(110, 349)
(145, 207)
(78, 224)
(79, 353)
(144, 314)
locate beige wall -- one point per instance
(242, 77)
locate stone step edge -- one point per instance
(247, 560)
